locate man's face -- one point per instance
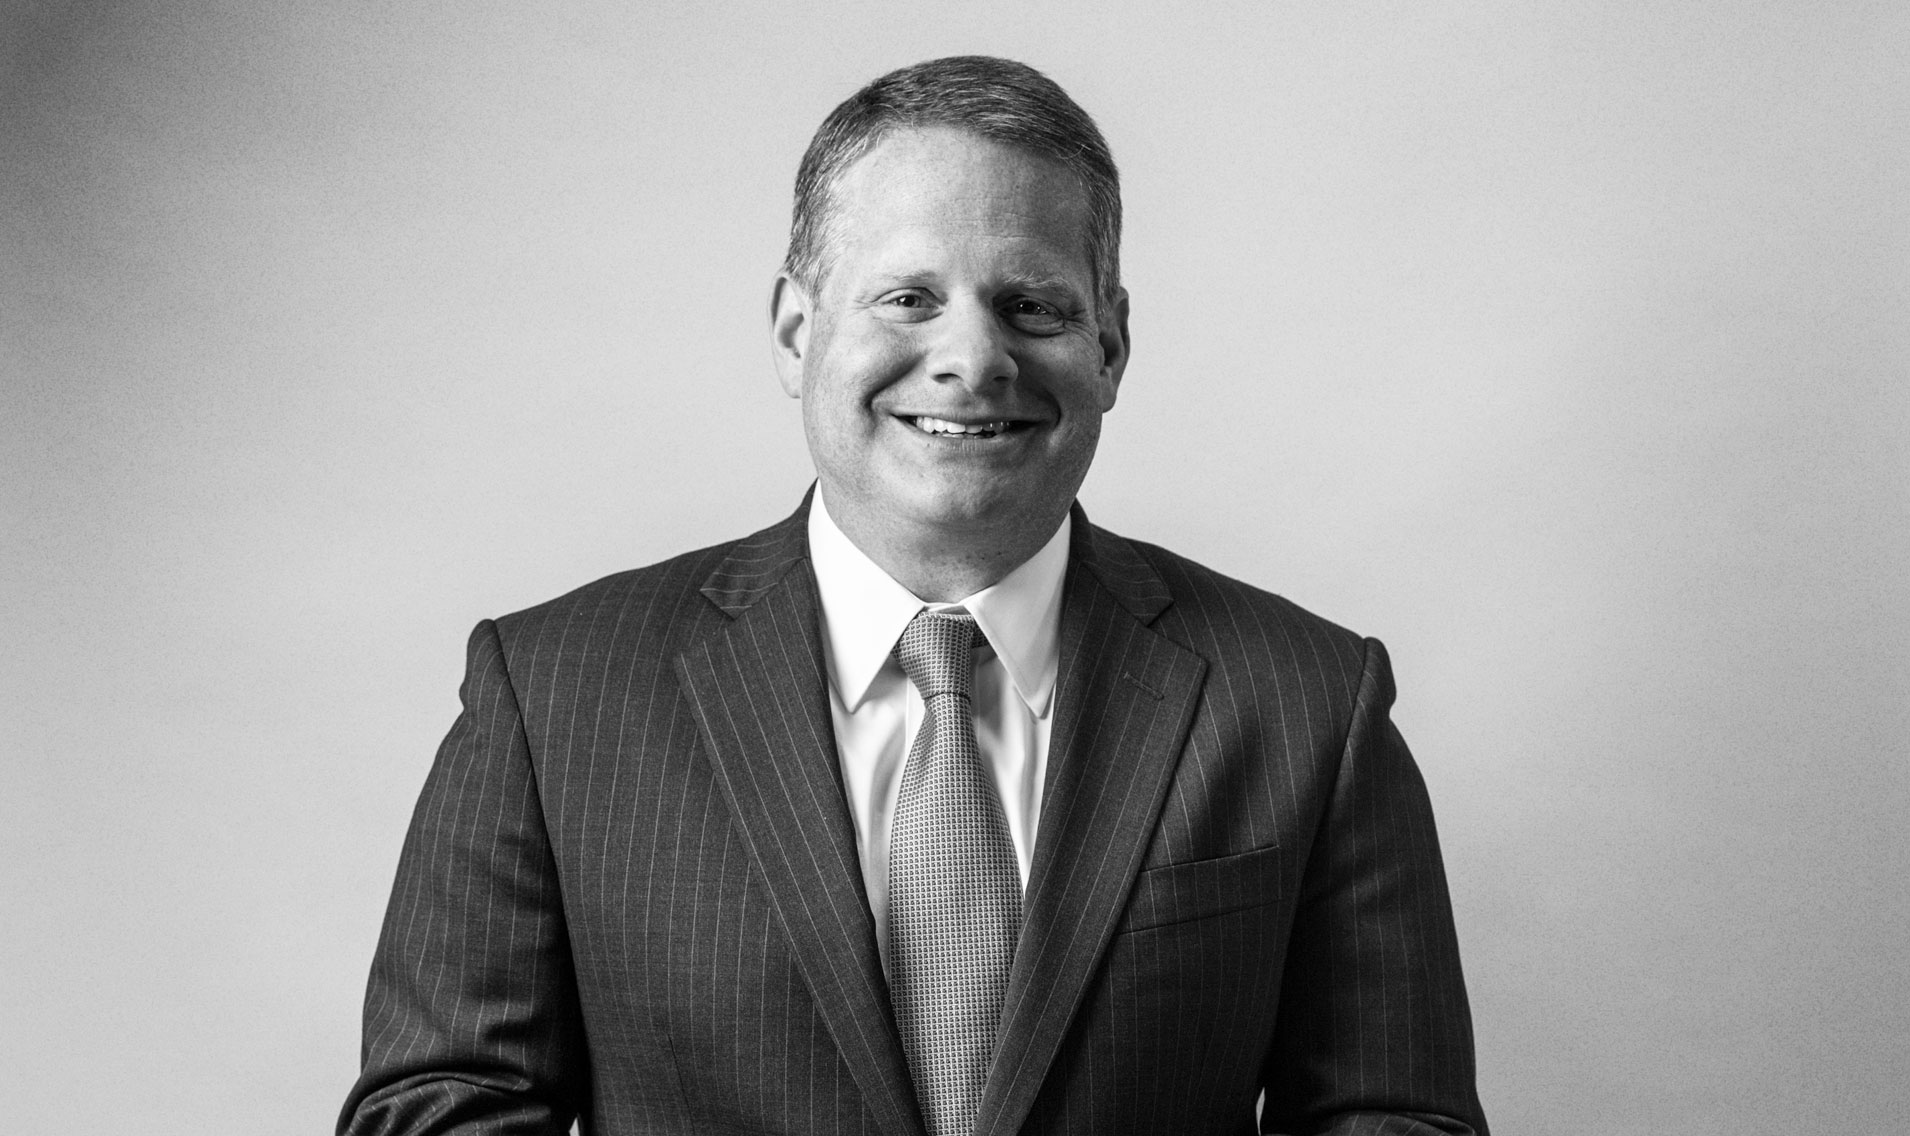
(955, 365)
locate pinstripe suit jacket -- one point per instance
(630, 890)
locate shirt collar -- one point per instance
(864, 612)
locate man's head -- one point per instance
(950, 316)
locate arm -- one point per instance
(471, 1015)
(1374, 1035)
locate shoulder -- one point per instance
(659, 605)
(1233, 624)
(658, 602)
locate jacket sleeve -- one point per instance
(1373, 1034)
(471, 1014)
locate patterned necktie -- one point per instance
(954, 890)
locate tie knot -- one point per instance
(935, 653)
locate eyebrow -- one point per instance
(1041, 282)
(1034, 281)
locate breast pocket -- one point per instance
(1201, 889)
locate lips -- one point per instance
(947, 428)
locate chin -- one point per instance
(985, 507)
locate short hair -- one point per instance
(998, 99)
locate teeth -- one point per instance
(944, 426)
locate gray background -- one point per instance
(1561, 346)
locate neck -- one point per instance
(946, 563)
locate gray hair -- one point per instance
(998, 99)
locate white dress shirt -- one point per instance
(877, 710)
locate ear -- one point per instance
(789, 331)
(1115, 346)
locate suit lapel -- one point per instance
(758, 691)
(1125, 697)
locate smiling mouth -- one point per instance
(942, 427)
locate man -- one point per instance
(934, 808)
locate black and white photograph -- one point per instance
(955, 570)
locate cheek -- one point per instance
(1078, 379)
(852, 376)
(867, 358)
(1085, 438)
(888, 354)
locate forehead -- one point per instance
(943, 193)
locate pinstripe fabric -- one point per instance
(630, 888)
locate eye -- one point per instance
(909, 304)
(1033, 316)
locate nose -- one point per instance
(971, 346)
